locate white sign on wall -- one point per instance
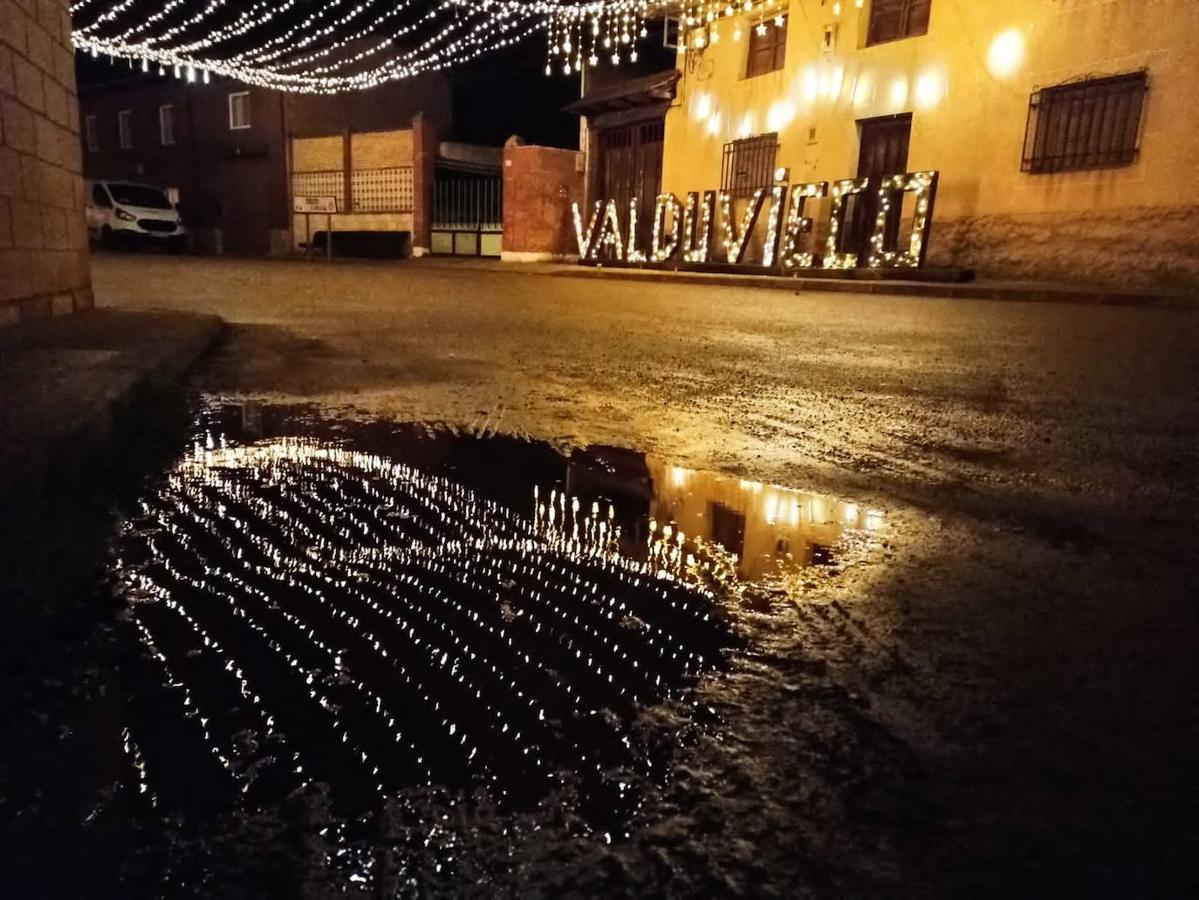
(325, 205)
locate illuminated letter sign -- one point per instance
(659, 252)
(799, 225)
(734, 243)
(685, 233)
(697, 235)
(892, 189)
(584, 238)
(842, 191)
(633, 253)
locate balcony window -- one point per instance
(1090, 124)
(239, 110)
(125, 128)
(891, 20)
(749, 164)
(166, 124)
(767, 47)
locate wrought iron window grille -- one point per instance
(1093, 123)
(749, 164)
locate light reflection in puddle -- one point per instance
(379, 608)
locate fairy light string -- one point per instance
(345, 45)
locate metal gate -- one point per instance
(468, 214)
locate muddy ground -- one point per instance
(1002, 702)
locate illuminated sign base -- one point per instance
(683, 234)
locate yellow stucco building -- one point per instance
(1065, 132)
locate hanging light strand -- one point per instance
(343, 45)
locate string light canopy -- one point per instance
(330, 46)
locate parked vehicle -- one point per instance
(122, 211)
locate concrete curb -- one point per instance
(91, 425)
(1009, 291)
(1018, 291)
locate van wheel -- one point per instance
(108, 240)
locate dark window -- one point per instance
(91, 132)
(125, 128)
(749, 164)
(166, 124)
(883, 151)
(728, 527)
(139, 195)
(891, 20)
(1085, 125)
(767, 47)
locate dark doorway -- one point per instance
(630, 165)
(728, 527)
(249, 201)
(883, 151)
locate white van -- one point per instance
(122, 210)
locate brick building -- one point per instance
(43, 241)
(237, 154)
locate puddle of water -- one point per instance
(376, 608)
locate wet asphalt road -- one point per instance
(1003, 702)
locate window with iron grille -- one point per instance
(891, 20)
(767, 47)
(1088, 124)
(749, 164)
(382, 190)
(320, 184)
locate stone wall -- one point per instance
(540, 183)
(1136, 247)
(44, 266)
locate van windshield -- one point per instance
(139, 195)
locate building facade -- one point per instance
(1063, 131)
(237, 156)
(43, 240)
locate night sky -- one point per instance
(499, 94)
(496, 96)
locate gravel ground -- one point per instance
(1001, 703)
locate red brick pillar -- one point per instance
(540, 184)
(424, 161)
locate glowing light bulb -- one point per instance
(1006, 53)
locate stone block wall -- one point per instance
(540, 183)
(44, 266)
(1141, 246)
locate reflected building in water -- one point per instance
(767, 530)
